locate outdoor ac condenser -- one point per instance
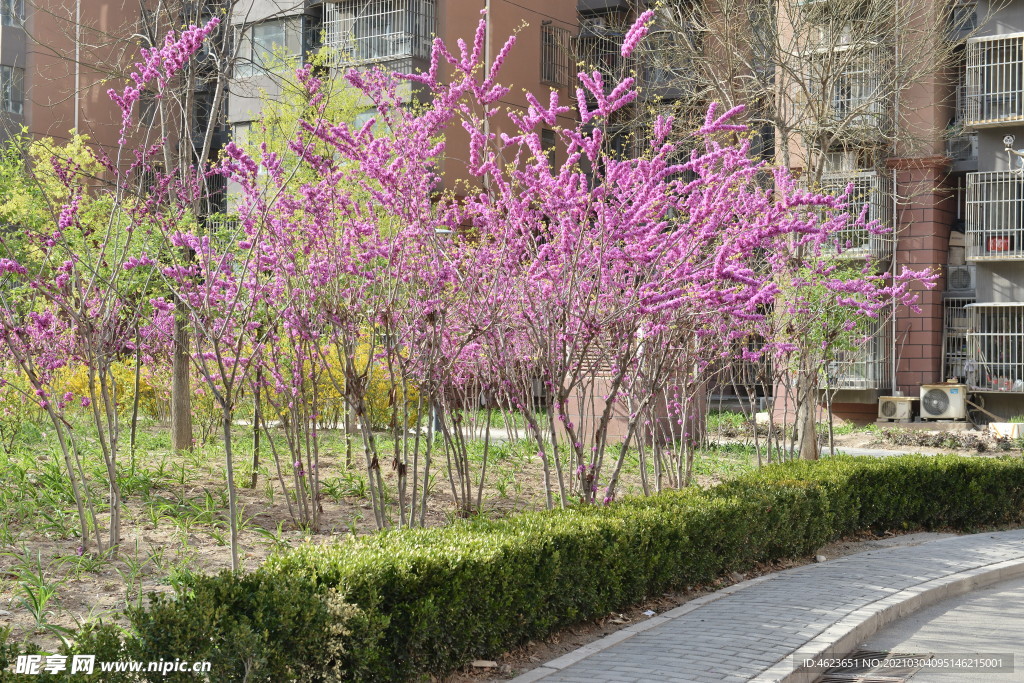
(895, 407)
(960, 279)
(943, 401)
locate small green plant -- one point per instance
(84, 563)
(131, 571)
(273, 538)
(37, 592)
(347, 485)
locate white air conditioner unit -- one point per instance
(960, 279)
(896, 407)
(943, 401)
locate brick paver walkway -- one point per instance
(751, 631)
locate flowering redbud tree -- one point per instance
(68, 301)
(614, 285)
(613, 282)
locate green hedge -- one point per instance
(401, 604)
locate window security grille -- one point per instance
(848, 80)
(956, 323)
(866, 364)
(555, 54)
(995, 67)
(369, 31)
(994, 217)
(874, 190)
(995, 348)
(599, 48)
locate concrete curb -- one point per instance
(838, 640)
(845, 635)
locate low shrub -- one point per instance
(401, 604)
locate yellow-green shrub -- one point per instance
(75, 379)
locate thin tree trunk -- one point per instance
(181, 395)
(805, 423)
(135, 396)
(232, 504)
(257, 416)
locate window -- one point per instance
(554, 55)
(379, 30)
(147, 108)
(549, 144)
(12, 89)
(240, 133)
(12, 12)
(964, 16)
(264, 44)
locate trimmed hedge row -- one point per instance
(400, 604)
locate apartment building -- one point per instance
(848, 93)
(56, 62)
(398, 34)
(881, 96)
(988, 328)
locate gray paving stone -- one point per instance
(749, 631)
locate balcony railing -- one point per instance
(956, 324)
(995, 348)
(874, 190)
(866, 366)
(378, 31)
(995, 67)
(600, 49)
(847, 80)
(995, 211)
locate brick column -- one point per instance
(925, 212)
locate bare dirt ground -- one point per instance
(180, 526)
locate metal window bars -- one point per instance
(995, 347)
(555, 55)
(865, 365)
(847, 81)
(995, 67)
(956, 323)
(961, 145)
(599, 48)
(12, 89)
(874, 190)
(377, 31)
(994, 227)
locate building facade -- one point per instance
(398, 34)
(57, 61)
(989, 327)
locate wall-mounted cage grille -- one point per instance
(600, 49)
(995, 347)
(556, 56)
(874, 190)
(994, 228)
(995, 67)
(956, 323)
(377, 31)
(848, 81)
(962, 147)
(866, 364)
